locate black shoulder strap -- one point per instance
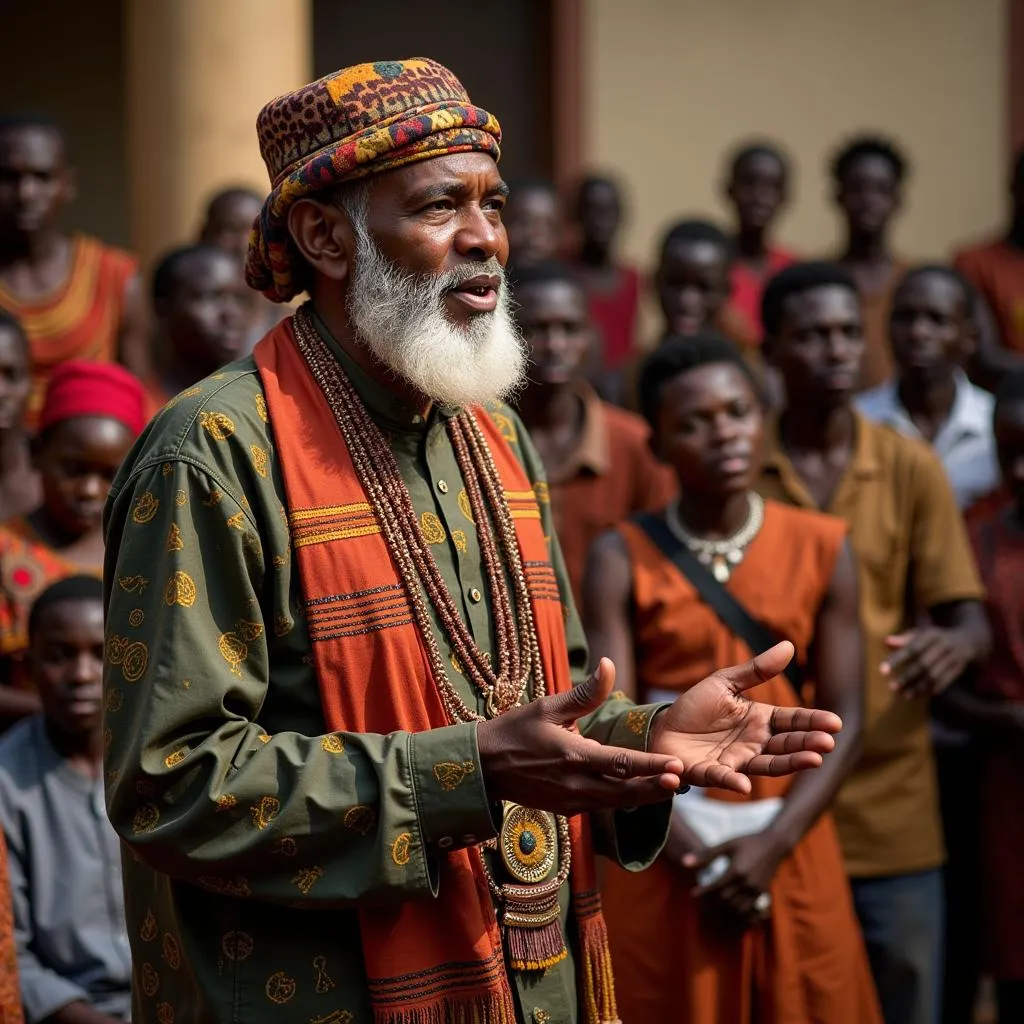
(756, 635)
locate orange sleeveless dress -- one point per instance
(672, 963)
(79, 320)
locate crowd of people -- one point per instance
(825, 451)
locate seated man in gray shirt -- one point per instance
(73, 956)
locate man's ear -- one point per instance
(322, 234)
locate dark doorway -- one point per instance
(500, 50)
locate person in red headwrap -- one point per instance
(90, 418)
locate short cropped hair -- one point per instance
(795, 280)
(678, 354)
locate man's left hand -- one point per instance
(926, 660)
(753, 861)
(721, 736)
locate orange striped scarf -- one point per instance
(442, 961)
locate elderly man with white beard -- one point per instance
(351, 745)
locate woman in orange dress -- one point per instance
(759, 927)
(91, 416)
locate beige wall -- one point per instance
(671, 85)
(197, 74)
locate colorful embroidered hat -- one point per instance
(359, 121)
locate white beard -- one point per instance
(400, 317)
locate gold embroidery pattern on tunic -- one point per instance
(237, 886)
(226, 801)
(505, 427)
(167, 469)
(324, 982)
(180, 498)
(456, 664)
(617, 695)
(180, 590)
(146, 506)
(134, 662)
(150, 980)
(451, 775)
(541, 1016)
(263, 738)
(191, 393)
(171, 951)
(362, 819)
(430, 526)
(261, 408)
(233, 651)
(237, 521)
(334, 1017)
(280, 988)
(249, 630)
(287, 846)
(213, 499)
(636, 721)
(307, 878)
(165, 1013)
(149, 927)
(542, 493)
(333, 744)
(464, 506)
(400, 849)
(174, 541)
(265, 811)
(145, 820)
(131, 584)
(237, 946)
(260, 459)
(282, 625)
(280, 561)
(217, 425)
(114, 701)
(136, 617)
(460, 541)
(173, 760)
(108, 738)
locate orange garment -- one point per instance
(361, 622)
(610, 475)
(997, 271)
(79, 320)
(10, 993)
(878, 365)
(675, 963)
(27, 567)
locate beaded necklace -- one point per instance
(528, 838)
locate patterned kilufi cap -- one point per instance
(359, 121)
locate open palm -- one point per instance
(722, 736)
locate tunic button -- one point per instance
(442, 486)
(475, 596)
(445, 842)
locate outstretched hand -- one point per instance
(721, 736)
(534, 755)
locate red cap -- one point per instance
(78, 388)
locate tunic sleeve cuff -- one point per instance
(454, 811)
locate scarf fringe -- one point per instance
(492, 1007)
(596, 984)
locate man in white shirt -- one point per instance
(933, 334)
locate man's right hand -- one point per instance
(534, 756)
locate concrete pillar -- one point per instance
(198, 72)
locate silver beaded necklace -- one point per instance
(720, 556)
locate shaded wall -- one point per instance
(66, 61)
(500, 50)
(671, 85)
